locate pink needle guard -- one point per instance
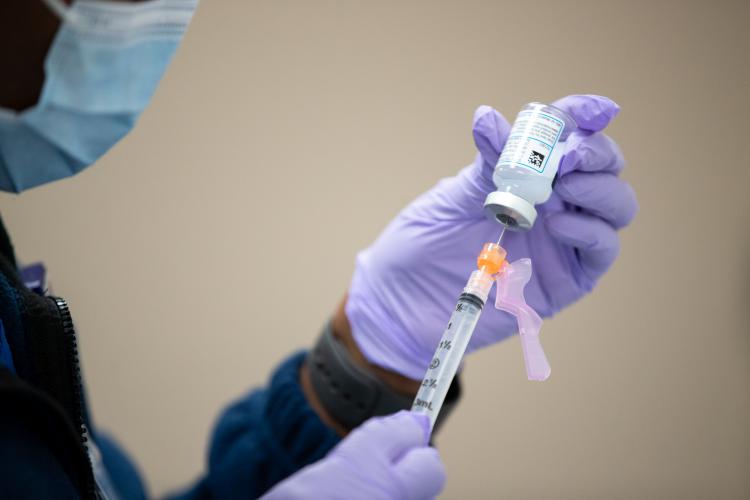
(510, 285)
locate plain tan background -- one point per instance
(298, 129)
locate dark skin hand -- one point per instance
(27, 28)
(342, 331)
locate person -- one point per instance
(317, 428)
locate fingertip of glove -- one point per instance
(633, 207)
(606, 109)
(591, 112)
(490, 130)
(482, 111)
(433, 455)
(422, 473)
(424, 423)
(605, 105)
(406, 417)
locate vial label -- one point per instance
(533, 137)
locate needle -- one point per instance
(501, 235)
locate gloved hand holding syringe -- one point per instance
(523, 176)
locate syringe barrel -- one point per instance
(479, 285)
(448, 355)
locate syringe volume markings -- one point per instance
(453, 344)
(430, 382)
(421, 403)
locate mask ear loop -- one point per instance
(175, 15)
(62, 11)
(59, 8)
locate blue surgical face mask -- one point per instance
(101, 70)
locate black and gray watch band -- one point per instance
(350, 393)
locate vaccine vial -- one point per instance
(528, 164)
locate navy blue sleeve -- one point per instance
(28, 467)
(264, 437)
(122, 473)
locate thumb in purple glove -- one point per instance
(386, 458)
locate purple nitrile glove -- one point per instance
(406, 284)
(386, 458)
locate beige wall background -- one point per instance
(300, 128)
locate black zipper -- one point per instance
(79, 409)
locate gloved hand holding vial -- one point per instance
(406, 284)
(523, 177)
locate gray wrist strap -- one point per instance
(349, 392)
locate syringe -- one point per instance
(457, 334)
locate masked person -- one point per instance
(102, 62)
